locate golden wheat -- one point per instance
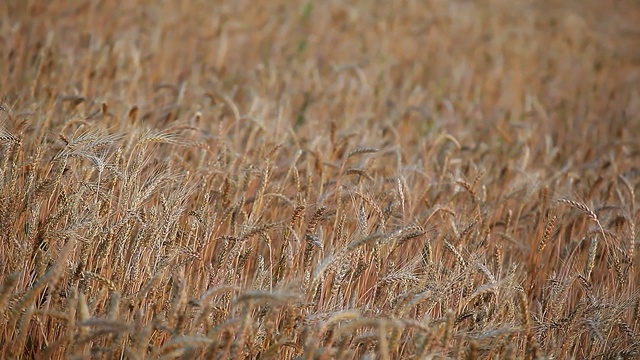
(351, 182)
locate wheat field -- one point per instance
(319, 180)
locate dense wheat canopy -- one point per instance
(319, 179)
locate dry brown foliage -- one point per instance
(319, 180)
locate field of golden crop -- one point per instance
(415, 179)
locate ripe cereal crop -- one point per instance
(319, 179)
